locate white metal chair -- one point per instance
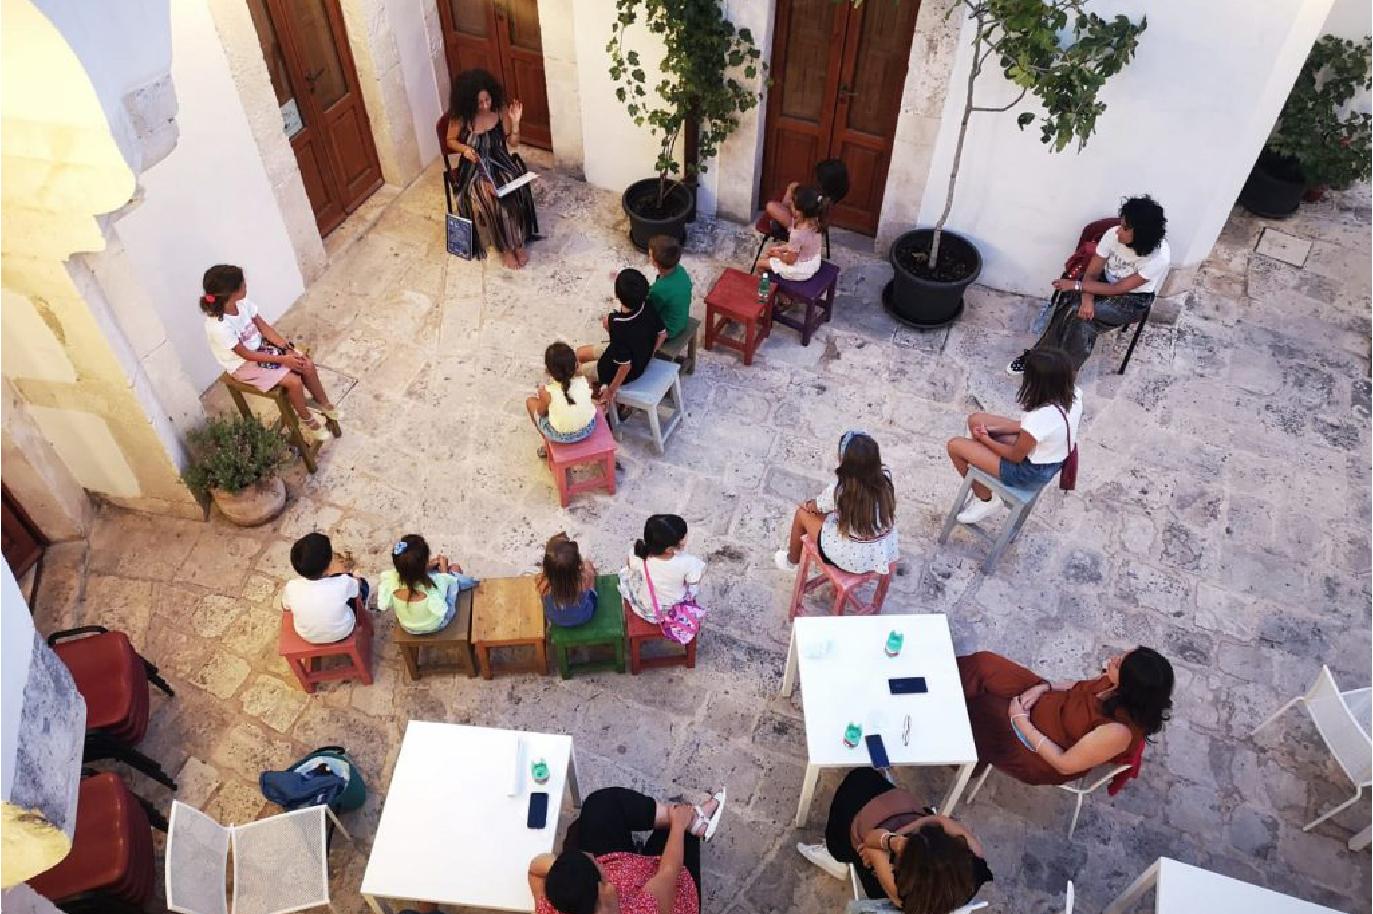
(1343, 719)
(1081, 789)
(861, 904)
(1068, 899)
(280, 863)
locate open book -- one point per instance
(516, 184)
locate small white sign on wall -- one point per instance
(290, 117)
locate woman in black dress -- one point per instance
(480, 124)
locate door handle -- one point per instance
(311, 78)
(846, 93)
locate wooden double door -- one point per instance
(305, 46)
(503, 38)
(838, 74)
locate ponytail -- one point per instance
(661, 533)
(561, 362)
(220, 282)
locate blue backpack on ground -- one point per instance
(326, 776)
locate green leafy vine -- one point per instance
(1332, 147)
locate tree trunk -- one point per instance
(973, 71)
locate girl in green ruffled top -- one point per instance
(422, 591)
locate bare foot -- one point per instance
(510, 260)
(523, 256)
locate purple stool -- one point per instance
(816, 293)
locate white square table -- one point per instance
(849, 683)
(450, 830)
(1181, 888)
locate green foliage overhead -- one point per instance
(232, 453)
(707, 70)
(1333, 148)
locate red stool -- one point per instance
(110, 867)
(816, 294)
(734, 297)
(845, 584)
(113, 679)
(301, 654)
(640, 632)
(598, 448)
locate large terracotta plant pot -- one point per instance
(255, 505)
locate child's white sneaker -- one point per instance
(779, 558)
(979, 510)
(821, 857)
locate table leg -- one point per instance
(376, 908)
(789, 673)
(572, 785)
(1146, 881)
(807, 794)
(484, 660)
(960, 782)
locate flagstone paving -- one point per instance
(1222, 516)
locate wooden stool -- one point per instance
(647, 392)
(845, 584)
(607, 627)
(290, 421)
(816, 293)
(734, 297)
(455, 638)
(598, 448)
(301, 655)
(672, 349)
(507, 612)
(641, 632)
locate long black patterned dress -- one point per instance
(504, 223)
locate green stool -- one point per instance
(606, 627)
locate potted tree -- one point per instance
(1314, 144)
(235, 460)
(933, 267)
(697, 100)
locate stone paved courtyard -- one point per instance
(1222, 516)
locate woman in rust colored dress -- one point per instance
(1040, 732)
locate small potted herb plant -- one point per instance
(1315, 144)
(1053, 50)
(698, 100)
(235, 460)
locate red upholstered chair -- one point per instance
(113, 679)
(845, 584)
(303, 656)
(110, 867)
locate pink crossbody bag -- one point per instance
(682, 621)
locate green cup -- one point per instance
(894, 641)
(853, 735)
(539, 771)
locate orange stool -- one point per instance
(598, 448)
(640, 632)
(734, 298)
(845, 584)
(301, 654)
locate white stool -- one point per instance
(1020, 501)
(647, 392)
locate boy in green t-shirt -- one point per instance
(670, 295)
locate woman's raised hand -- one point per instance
(516, 110)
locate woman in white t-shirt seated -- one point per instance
(1025, 454)
(1121, 280)
(252, 351)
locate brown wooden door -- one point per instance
(306, 49)
(838, 74)
(20, 541)
(502, 37)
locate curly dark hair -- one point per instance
(1145, 216)
(1145, 692)
(467, 85)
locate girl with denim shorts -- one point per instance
(563, 410)
(1029, 453)
(422, 591)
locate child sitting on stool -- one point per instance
(327, 599)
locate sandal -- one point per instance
(317, 432)
(711, 822)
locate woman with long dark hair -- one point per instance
(925, 863)
(1043, 732)
(481, 129)
(1122, 278)
(1023, 454)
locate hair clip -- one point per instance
(400, 547)
(209, 296)
(849, 436)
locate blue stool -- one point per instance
(1020, 501)
(816, 293)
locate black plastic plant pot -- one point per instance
(647, 218)
(920, 301)
(1275, 187)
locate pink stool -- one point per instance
(598, 448)
(845, 584)
(301, 654)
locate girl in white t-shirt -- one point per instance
(251, 350)
(661, 579)
(1124, 274)
(563, 410)
(1029, 453)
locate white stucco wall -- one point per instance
(1187, 140)
(208, 202)
(415, 25)
(1352, 19)
(16, 652)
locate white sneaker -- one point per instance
(779, 558)
(821, 857)
(979, 510)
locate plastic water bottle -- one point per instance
(764, 287)
(894, 642)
